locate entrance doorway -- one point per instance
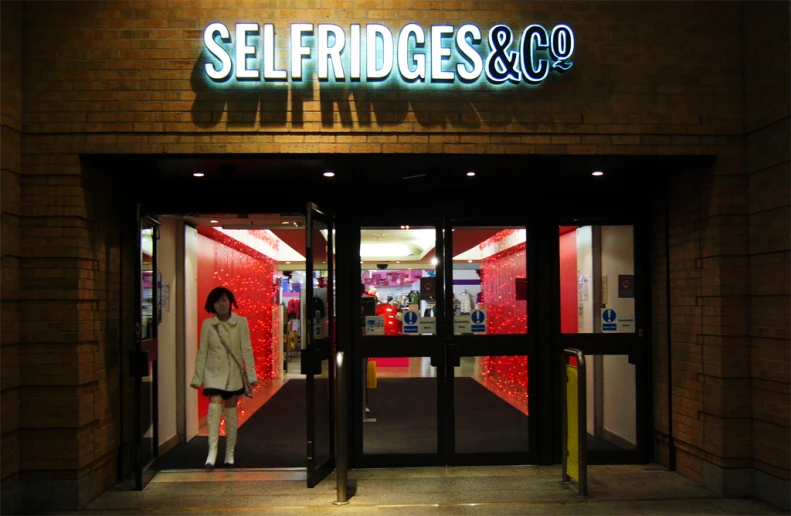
(281, 271)
(445, 352)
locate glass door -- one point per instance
(143, 363)
(489, 346)
(317, 362)
(399, 352)
(443, 345)
(600, 294)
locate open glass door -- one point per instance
(143, 364)
(317, 364)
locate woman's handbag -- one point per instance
(248, 390)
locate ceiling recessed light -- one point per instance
(329, 173)
(288, 262)
(469, 261)
(285, 223)
(198, 174)
(434, 261)
(470, 173)
(212, 221)
(397, 261)
(598, 173)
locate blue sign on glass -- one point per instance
(608, 318)
(478, 318)
(410, 322)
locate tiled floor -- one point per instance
(506, 490)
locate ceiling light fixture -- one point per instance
(212, 221)
(198, 174)
(285, 223)
(469, 261)
(329, 173)
(434, 261)
(597, 173)
(470, 174)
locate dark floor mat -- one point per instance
(274, 437)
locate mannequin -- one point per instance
(219, 374)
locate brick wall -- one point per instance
(769, 237)
(649, 78)
(10, 154)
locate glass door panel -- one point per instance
(317, 358)
(597, 293)
(144, 359)
(491, 410)
(402, 407)
(611, 403)
(488, 352)
(599, 313)
(401, 320)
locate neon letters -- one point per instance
(441, 54)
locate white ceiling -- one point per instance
(406, 246)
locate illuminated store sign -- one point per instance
(439, 55)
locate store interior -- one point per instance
(261, 258)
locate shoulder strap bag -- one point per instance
(248, 391)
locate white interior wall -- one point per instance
(585, 279)
(166, 332)
(620, 410)
(617, 247)
(191, 329)
(619, 414)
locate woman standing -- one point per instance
(225, 354)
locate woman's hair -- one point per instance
(215, 295)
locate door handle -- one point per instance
(454, 354)
(309, 361)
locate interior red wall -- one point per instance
(504, 314)
(249, 275)
(569, 313)
(506, 376)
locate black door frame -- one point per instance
(143, 361)
(443, 347)
(543, 205)
(636, 346)
(318, 351)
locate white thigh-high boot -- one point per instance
(231, 424)
(213, 419)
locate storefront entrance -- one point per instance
(453, 303)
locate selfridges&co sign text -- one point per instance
(440, 55)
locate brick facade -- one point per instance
(650, 78)
(11, 167)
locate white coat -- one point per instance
(214, 368)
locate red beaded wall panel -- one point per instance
(506, 376)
